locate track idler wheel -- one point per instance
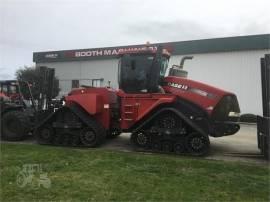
(197, 144)
(45, 135)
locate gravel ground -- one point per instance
(239, 147)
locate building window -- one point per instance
(75, 84)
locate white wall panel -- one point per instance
(96, 69)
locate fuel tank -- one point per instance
(98, 102)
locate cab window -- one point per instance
(164, 66)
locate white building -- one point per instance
(231, 63)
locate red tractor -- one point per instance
(162, 113)
(19, 111)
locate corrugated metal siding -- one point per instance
(237, 71)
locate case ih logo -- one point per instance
(51, 55)
(176, 85)
(108, 52)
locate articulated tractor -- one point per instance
(162, 109)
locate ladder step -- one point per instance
(128, 112)
(128, 119)
(128, 105)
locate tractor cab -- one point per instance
(142, 71)
(10, 89)
(15, 92)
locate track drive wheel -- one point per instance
(45, 135)
(197, 144)
(15, 125)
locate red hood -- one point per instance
(199, 93)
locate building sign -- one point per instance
(87, 53)
(105, 52)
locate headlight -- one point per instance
(234, 114)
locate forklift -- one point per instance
(263, 122)
(19, 110)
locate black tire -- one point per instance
(93, 135)
(45, 135)
(15, 125)
(197, 144)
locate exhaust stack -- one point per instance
(177, 70)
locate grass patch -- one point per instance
(98, 175)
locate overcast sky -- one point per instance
(41, 25)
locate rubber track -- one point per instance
(160, 140)
(70, 137)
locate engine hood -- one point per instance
(208, 97)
